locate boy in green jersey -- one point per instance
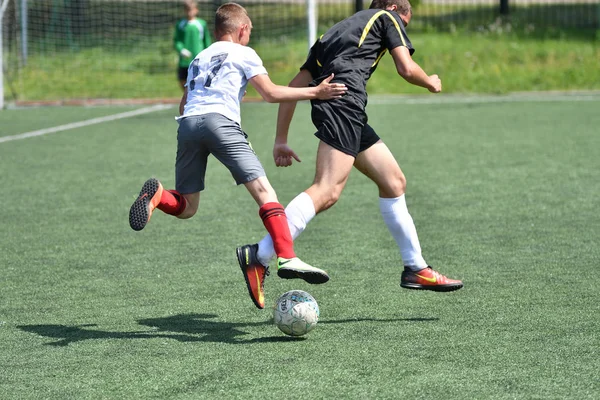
(191, 37)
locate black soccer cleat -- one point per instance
(141, 209)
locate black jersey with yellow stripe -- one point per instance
(352, 48)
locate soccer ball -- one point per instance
(296, 313)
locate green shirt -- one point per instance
(191, 35)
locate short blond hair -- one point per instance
(229, 17)
(190, 4)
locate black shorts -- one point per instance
(342, 124)
(182, 73)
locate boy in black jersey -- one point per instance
(351, 50)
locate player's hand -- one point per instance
(328, 90)
(185, 53)
(435, 84)
(283, 155)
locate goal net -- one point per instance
(66, 50)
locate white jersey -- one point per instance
(217, 79)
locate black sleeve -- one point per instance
(394, 34)
(312, 64)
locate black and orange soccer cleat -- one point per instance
(428, 279)
(254, 273)
(141, 209)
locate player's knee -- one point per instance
(324, 196)
(400, 184)
(185, 215)
(331, 198)
(189, 212)
(395, 187)
(324, 200)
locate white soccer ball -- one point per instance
(296, 313)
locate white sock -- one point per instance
(299, 212)
(401, 226)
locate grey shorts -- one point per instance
(199, 136)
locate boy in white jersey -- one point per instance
(210, 124)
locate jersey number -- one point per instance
(215, 65)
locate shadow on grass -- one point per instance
(181, 327)
(66, 334)
(274, 339)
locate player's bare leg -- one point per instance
(333, 168)
(379, 165)
(192, 203)
(332, 172)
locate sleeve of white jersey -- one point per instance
(253, 65)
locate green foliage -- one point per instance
(480, 63)
(485, 62)
(115, 49)
(504, 196)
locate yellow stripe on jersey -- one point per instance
(378, 58)
(372, 21)
(318, 62)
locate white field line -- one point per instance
(87, 122)
(376, 99)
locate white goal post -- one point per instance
(311, 14)
(3, 6)
(60, 39)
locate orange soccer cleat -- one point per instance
(254, 273)
(141, 209)
(428, 279)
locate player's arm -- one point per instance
(286, 110)
(177, 40)
(282, 153)
(182, 101)
(179, 43)
(412, 72)
(273, 93)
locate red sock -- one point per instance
(274, 219)
(172, 202)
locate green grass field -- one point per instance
(504, 195)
